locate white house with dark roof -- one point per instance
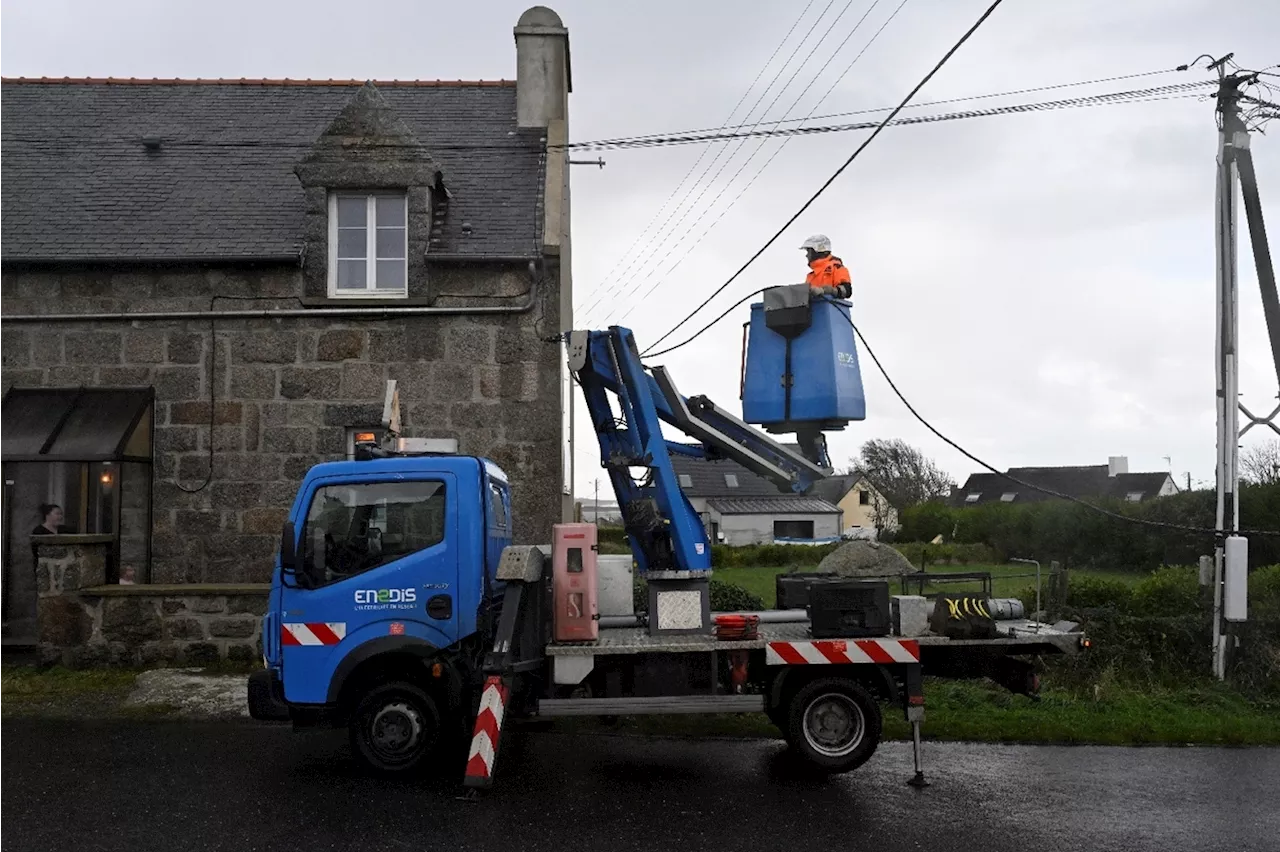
(1086, 482)
(739, 507)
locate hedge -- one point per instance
(1159, 630)
(1077, 535)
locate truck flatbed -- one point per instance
(1031, 635)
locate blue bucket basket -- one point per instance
(800, 368)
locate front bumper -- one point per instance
(266, 697)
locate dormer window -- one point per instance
(367, 242)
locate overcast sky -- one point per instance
(1040, 286)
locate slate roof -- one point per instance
(754, 494)
(708, 479)
(1084, 482)
(77, 183)
(773, 506)
(834, 488)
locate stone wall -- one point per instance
(85, 623)
(287, 390)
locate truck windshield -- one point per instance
(354, 528)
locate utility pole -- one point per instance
(1227, 329)
(597, 510)
(1235, 170)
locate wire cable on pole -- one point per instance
(733, 202)
(869, 110)
(674, 227)
(1049, 491)
(675, 192)
(885, 123)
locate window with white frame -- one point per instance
(973, 498)
(367, 244)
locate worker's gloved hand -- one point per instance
(845, 291)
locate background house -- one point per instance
(207, 283)
(1106, 481)
(738, 507)
(862, 505)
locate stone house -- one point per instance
(208, 283)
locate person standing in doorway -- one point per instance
(50, 524)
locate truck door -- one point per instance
(383, 558)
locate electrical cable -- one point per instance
(727, 311)
(1128, 96)
(733, 202)
(675, 192)
(1049, 491)
(870, 110)
(885, 123)
(672, 227)
(213, 361)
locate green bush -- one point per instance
(1098, 593)
(1171, 591)
(725, 597)
(1264, 592)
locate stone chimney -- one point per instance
(1117, 465)
(543, 76)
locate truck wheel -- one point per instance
(395, 727)
(834, 723)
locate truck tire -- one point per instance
(834, 723)
(395, 727)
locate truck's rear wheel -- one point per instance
(834, 723)
(395, 727)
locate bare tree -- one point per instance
(1260, 463)
(903, 474)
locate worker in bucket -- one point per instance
(827, 273)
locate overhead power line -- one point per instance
(1086, 100)
(734, 201)
(870, 110)
(673, 227)
(676, 192)
(936, 68)
(1024, 484)
(1019, 108)
(688, 234)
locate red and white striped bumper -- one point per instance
(842, 651)
(484, 743)
(312, 633)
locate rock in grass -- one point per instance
(865, 559)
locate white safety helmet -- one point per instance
(818, 242)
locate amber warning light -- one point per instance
(365, 438)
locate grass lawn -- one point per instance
(1007, 580)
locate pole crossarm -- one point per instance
(1269, 420)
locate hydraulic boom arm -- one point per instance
(666, 532)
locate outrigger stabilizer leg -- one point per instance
(915, 715)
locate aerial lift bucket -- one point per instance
(800, 368)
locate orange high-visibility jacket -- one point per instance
(827, 271)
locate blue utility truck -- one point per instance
(401, 610)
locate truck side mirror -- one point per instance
(288, 549)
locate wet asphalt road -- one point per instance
(240, 786)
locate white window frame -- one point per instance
(1134, 496)
(731, 480)
(973, 498)
(1008, 496)
(370, 291)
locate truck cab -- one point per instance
(382, 598)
